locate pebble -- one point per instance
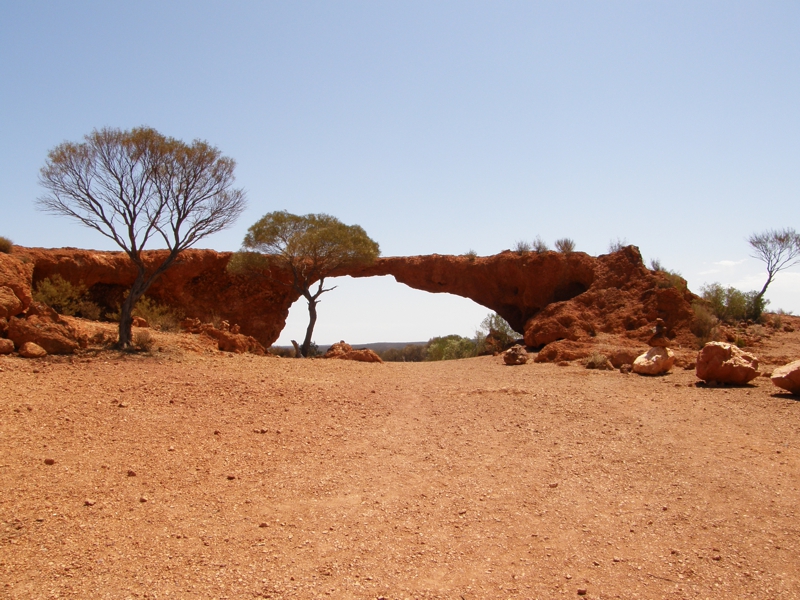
(49, 461)
(131, 473)
(143, 499)
(581, 591)
(216, 432)
(231, 477)
(554, 485)
(172, 449)
(88, 502)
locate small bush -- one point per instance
(144, 340)
(732, 305)
(705, 324)
(450, 347)
(471, 255)
(617, 245)
(158, 316)
(5, 245)
(65, 298)
(668, 279)
(596, 360)
(540, 246)
(565, 245)
(655, 265)
(522, 247)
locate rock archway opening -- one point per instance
(379, 309)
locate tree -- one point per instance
(779, 249)
(310, 247)
(133, 186)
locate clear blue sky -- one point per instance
(439, 127)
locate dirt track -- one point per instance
(189, 475)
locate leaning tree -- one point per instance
(309, 247)
(778, 249)
(139, 185)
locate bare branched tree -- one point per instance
(135, 186)
(779, 249)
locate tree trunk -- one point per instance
(140, 285)
(137, 290)
(312, 319)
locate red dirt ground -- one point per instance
(191, 473)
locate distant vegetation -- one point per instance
(5, 245)
(617, 245)
(494, 334)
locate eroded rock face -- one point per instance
(197, 284)
(656, 361)
(550, 296)
(15, 285)
(787, 377)
(726, 363)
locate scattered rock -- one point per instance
(139, 322)
(726, 363)
(655, 361)
(344, 351)
(46, 329)
(581, 591)
(787, 377)
(32, 350)
(143, 499)
(516, 355)
(88, 502)
(6, 346)
(49, 461)
(131, 473)
(626, 369)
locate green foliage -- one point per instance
(450, 347)
(65, 298)
(705, 324)
(731, 305)
(522, 247)
(158, 316)
(310, 247)
(5, 245)
(540, 246)
(565, 245)
(409, 353)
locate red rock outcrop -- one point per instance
(554, 296)
(198, 284)
(550, 296)
(15, 285)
